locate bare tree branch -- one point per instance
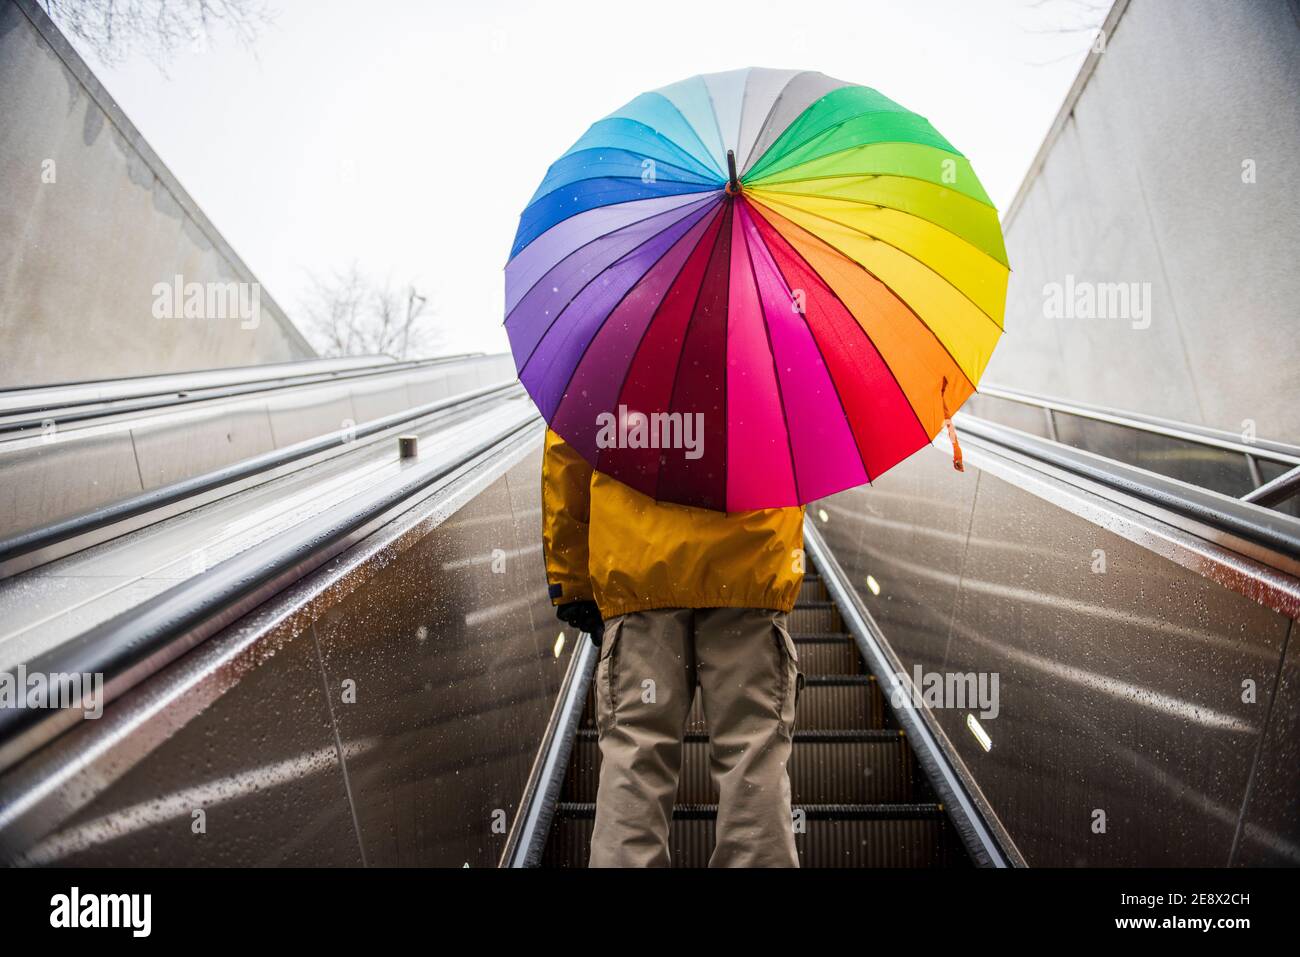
(348, 314)
(158, 28)
(1067, 18)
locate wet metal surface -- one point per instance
(453, 656)
(1122, 736)
(78, 466)
(394, 721)
(1269, 831)
(1198, 463)
(254, 780)
(50, 604)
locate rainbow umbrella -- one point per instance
(754, 289)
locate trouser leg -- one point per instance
(644, 684)
(748, 676)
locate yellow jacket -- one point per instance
(607, 541)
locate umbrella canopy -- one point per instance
(754, 289)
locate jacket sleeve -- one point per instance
(566, 511)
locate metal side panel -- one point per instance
(1269, 831)
(426, 389)
(1132, 689)
(981, 834)
(455, 676)
(386, 709)
(246, 774)
(306, 413)
(79, 465)
(58, 395)
(208, 441)
(47, 477)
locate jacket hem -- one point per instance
(740, 601)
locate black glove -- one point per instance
(583, 615)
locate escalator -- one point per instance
(362, 665)
(859, 797)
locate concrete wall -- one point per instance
(1141, 181)
(80, 256)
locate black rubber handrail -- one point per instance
(105, 408)
(123, 509)
(1273, 530)
(152, 631)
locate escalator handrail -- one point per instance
(526, 841)
(87, 410)
(142, 640)
(156, 381)
(1273, 530)
(1268, 449)
(94, 519)
(1277, 491)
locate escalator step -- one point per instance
(827, 702)
(859, 798)
(825, 736)
(815, 616)
(924, 811)
(826, 767)
(823, 680)
(813, 589)
(828, 655)
(907, 835)
(840, 702)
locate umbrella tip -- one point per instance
(733, 182)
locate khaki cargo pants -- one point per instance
(746, 666)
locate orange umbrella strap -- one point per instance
(952, 429)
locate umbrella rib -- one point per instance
(776, 371)
(707, 214)
(537, 197)
(655, 134)
(726, 328)
(717, 124)
(551, 325)
(924, 219)
(772, 203)
(595, 239)
(885, 242)
(691, 126)
(897, 298)
(686, 209)
(704, 188)
(646, 331)
(901, 111)
(762, 127)
(759, 184)
(672, 389)
(740, 116)
(829, 374)
(740, 123)
(885, 362)
(758, 161)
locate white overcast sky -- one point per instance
(407, 136)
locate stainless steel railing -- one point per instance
(1261, 471)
